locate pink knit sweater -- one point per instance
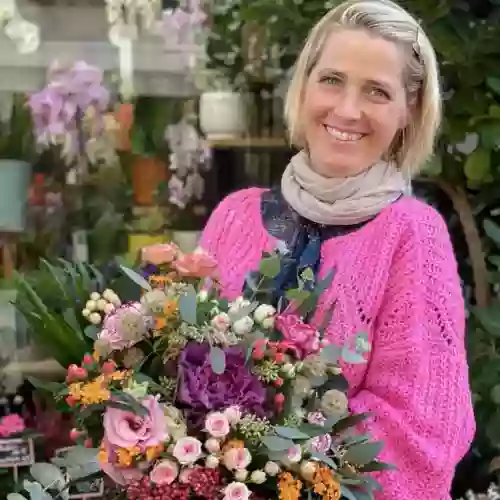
(397, 280)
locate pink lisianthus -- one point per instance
(11, 424)
(164, 472)
(125, 429)
(162, 253)
(298, 336)
(196, 265)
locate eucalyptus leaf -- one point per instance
(188, 303)
(313, 430)
(323, 458)
(492, 229)
(276, 443)
(136, 278)
(495, 394)
(350, 421)
(376, 466)
(352, 357)
(290, 433)
(270, 266)
(130, 401)
(331, 353)
(35, 491)
(91, 331)
(217, 360)
(363, 453)
(48, 475)
(15, 496)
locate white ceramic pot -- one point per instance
(222, 115)
(187, 241)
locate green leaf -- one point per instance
(217, 360)
(130, 401)
(188, 303)
(489, 132)
(492, 230)
(478, 165)
(136, 278)
(350, 421)
(307, 274)
(347, 493)
(376, 466)
(48, 475)
(15, 496)
(36, 491)
(313, 430)
(297, 295)
(325, 283)
(352, 357)
(494, 84)
(363, 453)
(495, 394)
(434, 166)
(52, 387)
(270, 266)
(323, 458)
(91, 331)
(290, 433)
(331, 353)
(276, 443)
(489, 319)
(70, 318)
(136, 409)
(362, 344)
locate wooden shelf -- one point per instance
(248, 142)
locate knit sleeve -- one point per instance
(417, 386)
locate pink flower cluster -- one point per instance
(299, 337)
(11, 424)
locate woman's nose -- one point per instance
(348, 105)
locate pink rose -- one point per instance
(217, 424)
(187, 450)
(196, 265)
(164, 472)
(125, 429)
(236, 491)
(298, 336)
(11, 424)
(237, 459)
(320, 444)
(162, 253)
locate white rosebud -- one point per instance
(221, 322)
(95, 318)
(258, 476)
(272, 469)
(241, 475)
(307, 470)
(95, 296)
(293, 455)
(335, 370)
(238, 304)
(263, 312)
(91, 305)
(109, 308)
(268, 323)
(108, 294)
(233, 414)
(243, 326)
(288, 370)
(116, 301)
(212, 462)
(85, 313)
(101, 304)
(212, 445)
(203, 296)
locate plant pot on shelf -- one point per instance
(187, 241)
(222, 115)
(137, 241)
(14, 189)
(148, 172)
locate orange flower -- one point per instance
(153, 452)
(94, 392)
(75, 390)
(162, 253)
(289, 487)
(126, 455)
(159, 281)
(325, 484)
(196, 265)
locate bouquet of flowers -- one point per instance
(188, 395)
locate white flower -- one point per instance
(109, 295)
(217, 424)
(237, 458)
(202, 296)
(272, 469)
(241, 475)
(293, 455)
(221, 322)
(334, 402)
(176, 427)
(101, 304)
(187, 450)
(212, 462)
(95, 318)
(109, 308)
(233, 414)
(95, 296)
(307, 470)
(288, 369)
(243, 325)
(258, 476)
(91, 305)
(238, 304)
(7, 10)
(212, 445)
(265, 315)
(236, 491)
(85, 313)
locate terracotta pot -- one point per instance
(124, 115)
(147, 173)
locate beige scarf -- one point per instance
(341, 201)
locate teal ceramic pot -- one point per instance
(15, 178)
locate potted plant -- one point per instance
(16, 154)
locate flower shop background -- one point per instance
(144, 133)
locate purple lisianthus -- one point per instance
(203, 391)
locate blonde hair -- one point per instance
(385, 19)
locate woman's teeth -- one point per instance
(343, 136)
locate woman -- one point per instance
(363, 107)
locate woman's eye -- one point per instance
(375, 92)
(331, 80)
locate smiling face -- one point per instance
(354, 102)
